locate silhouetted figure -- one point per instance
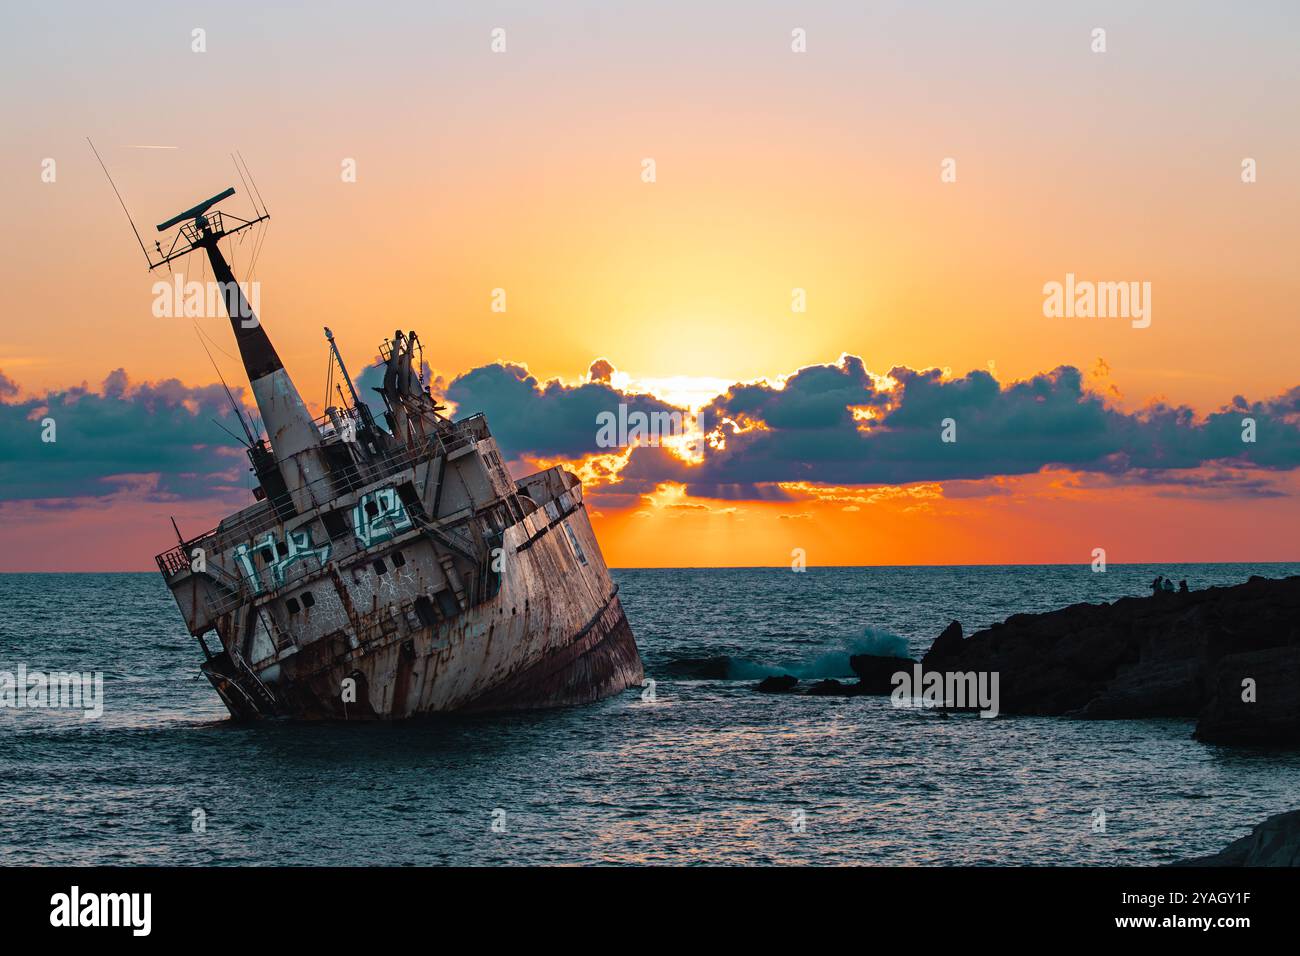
(1155, 585)
(1182, 586)
(1168, 585)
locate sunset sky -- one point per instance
(774, 171)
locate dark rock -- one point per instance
(1253, 698)
(1168, 655)
(1275, 842)
(945, 645)
(876, 673)
(777, 685)
(1153, 688)
(831, 688)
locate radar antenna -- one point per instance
(198, 229)
(201, 229)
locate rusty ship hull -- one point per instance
(532, 645)
(390, 566)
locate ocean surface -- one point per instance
(708, 772)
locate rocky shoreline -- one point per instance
(1275, 842)
(1228, 657)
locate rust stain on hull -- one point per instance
(597, 663)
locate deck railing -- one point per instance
(263, 517)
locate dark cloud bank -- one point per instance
(809, 433)
(804, 432)
(111, 439)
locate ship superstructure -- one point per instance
(389, 568)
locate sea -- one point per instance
(688, 770)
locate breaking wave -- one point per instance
(824, 665)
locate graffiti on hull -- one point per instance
(276, 557)
(378, 516)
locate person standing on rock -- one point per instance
(1155, 585)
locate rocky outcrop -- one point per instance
(876, 673)
(777, 685)
(875, 676)
(1253, 698)
(948, 641)
(1230, 656)
(831, 688)
(1275, 842)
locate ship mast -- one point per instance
(299, 461)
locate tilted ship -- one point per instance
(389, 571)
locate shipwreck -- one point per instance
(389, 566)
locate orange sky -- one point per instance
(775, 170)
(1033, 523)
